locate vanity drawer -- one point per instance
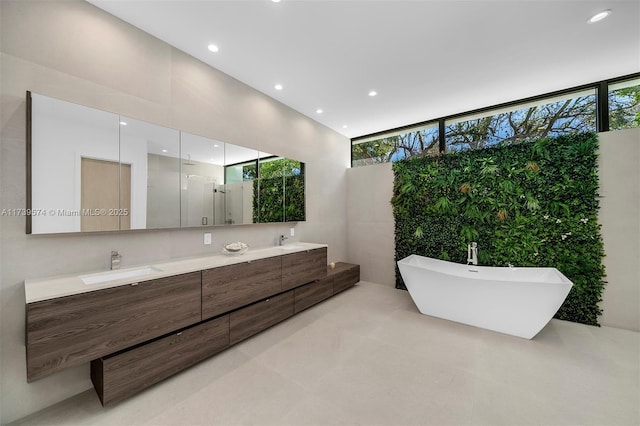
(312, 293)
(345, 275)
(73, 330)
(121, 375)
(303, 267)
(253, 319)
(231, 287)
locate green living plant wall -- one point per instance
(279, 193)
(528, 204)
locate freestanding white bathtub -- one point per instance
(516, 301)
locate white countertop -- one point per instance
(50, 288)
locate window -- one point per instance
(396, 146)
(624, 104)
(277, 167)
(581, 109)
(574, 112)
(236, 173)
(278, 194)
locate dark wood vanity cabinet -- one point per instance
(230, 287)
(126, 373)
(73, 330)
(303, 267)
(345, 276)
(253, 319)
(312, 293)
(137, 335)
(339, 278)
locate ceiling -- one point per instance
(424, 58)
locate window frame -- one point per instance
(602, 111)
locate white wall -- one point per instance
(619, 172)
(74, 51)
(370, 222)
(371, 225)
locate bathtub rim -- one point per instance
(463, 270)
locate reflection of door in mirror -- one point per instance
(104, 206)
(62, 133)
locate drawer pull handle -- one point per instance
(267, 300)
(177, 334)
(134, 284)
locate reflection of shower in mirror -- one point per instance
(189, 162)
(203, 200)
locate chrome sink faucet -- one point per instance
(281, 240)
(115, 259)
(472, 253)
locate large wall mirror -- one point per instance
(92, 170)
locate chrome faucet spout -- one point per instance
(472, 253)
(115, 259)
(281, 240)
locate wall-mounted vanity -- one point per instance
(137, 330)
(92, 170)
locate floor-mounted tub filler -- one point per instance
(515, 301)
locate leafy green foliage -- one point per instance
(528, 204)
(374, 152)
(393, 148)
(294, 206)
(624, 108)
(268, 200)
(279, 193)
(279, 167)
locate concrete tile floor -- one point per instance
(368, 357)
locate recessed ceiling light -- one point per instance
(276, 1)
(319, 111)
(164, 150)
(599, 16)
(278, 86)
(213, 48)
(344, 126)
(215, 145)
(373, 93)
(123, 123)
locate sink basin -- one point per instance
(288, 247)
(101, 277)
